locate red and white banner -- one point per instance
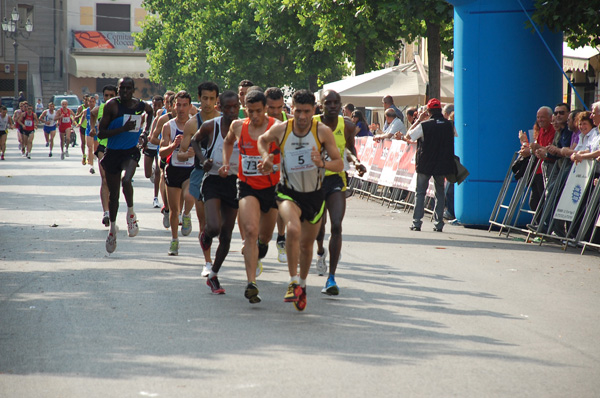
(390, 163)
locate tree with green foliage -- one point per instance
(370, 33)
(579, 20)
(297, 43)
(227, 42)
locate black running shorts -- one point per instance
(266, 196)
(114, 159)
(176, 176)
(217, 187)
(311, 204)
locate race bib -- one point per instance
(299, 160)
(66, 119)
(134, 118)
(28, 123)
(178, 163)
(250, 165)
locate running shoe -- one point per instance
(259, 268)
(111, 242)
(281, 254)
(293, 293)
(106, 219)
(251, 293)
(132, 225)
(215, 286)
(92, 171)
(206, 270)
(300, 305)
(186, 227)
(67, 153)
(321, 265)
(166, 220)
(47, 144)
(205, 241)
(28, 155)
(155, 203)
(331, 288)
(50, 155)
(3, 156)
(174, 248)
(62, 156)
(84, 160)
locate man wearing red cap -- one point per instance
(434, 158)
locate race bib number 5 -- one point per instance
(299, 160)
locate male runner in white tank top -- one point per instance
(300, 199)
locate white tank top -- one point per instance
(174, 133)
(215, 151)
(4, 123)
(50, 118)
(298, 170)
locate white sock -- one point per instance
(130, 211)
(302, 282)
(212, 275)
(294, 279)
(113, 227)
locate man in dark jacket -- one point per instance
(434, 158)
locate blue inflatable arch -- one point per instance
(503, 74)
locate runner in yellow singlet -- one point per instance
(334, 187)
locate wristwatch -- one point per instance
(275, 167)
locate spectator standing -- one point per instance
(348, 110)
(411, 116)
(393, 127)
(39, 108)
(388, 102)
(448, 112)
(574, 127)
(361, 130)
(544, 137)
(434, 158)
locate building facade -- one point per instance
(76, 47)
(39, 55)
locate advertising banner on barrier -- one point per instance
(577, 181)
(389, 163)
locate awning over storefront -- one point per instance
(577, 59)
(108, 66)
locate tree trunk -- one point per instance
(312, 83)
(360, 61)
(433, 59)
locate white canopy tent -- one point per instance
(403, 82)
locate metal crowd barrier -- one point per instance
(507, 205)
(570, 199)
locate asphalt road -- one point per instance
(464, 313)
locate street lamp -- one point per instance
(12, 31)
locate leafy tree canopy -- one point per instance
(579, 20)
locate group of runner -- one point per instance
(240, 156)
(25, 120)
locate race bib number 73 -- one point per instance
(250, 165)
